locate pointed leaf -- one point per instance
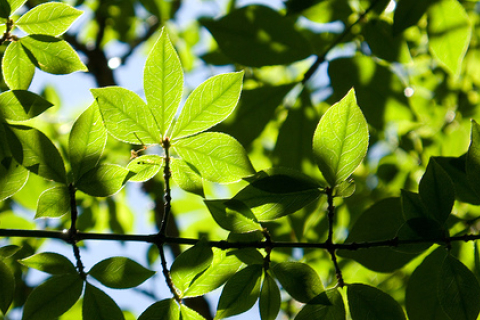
(53, 297)
(340, 141)
(8, 251)
(189, 314)
(269, 298)
(14, 5)
(97, 305)
(33, 150)
(367, 302)
(449, 33)
(186, 177)
(233, 215)
(51, 18)
(50, 262)
(458, 290)
(299, 279)
(17, 68)
(7, 287)
(191, 263)
(103, 181)
(217, 156)
(240, 292)
(210, 103)
(53, 203)
(126, 116)
(52, 55)
(12, 177)
(413, 206)
(120, 273)
(333, 310)
(163, 82)
(162, 310)
(144, 167)
(21, 105)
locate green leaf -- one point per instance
(449, 32)
(246, 255)
(275, 192)
(126, 116)
(437, 192)
(53, 297)
(186, 177)
(103, 181)
(413, 206)
(367, 302)
(191, 263)
(421, 300)
(21, 105)
(97, 305)
(473, 158)
(233, 215)
(163, 82)
(12, 177)
(120, 273)
(299, 279)
(258, 36)
(188, 314)
(345, 189)
(340, 141)
(33, 150)
(216, 156)
(50, 262)
(87, 141)
(408, 13)
(269, 298)
(240, 292)
(162, 310)
(51, 19)
(52, 55)
(333, 310)
(144, 167)
(53, 203)
(17, 68)
(7, 287)
(458, 290)
(210, 103)
(8, 251)
(223, 267)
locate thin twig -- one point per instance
(330, 245)
(73, 231)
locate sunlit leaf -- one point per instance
(53, 203)
(330, 309)
(17, 68)
(233, 215)
(269, 298)
(162, 310)
(367, 302)
(186, 177)
(7, 287)
(103, 180)
(21, 105)
(12, 177)
(189, 314)
(144, 167)
(50, 262)
(97, 305)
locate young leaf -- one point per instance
(217, 156)
(144, 167)
(367, 302)
(17, 68)
(340, 141)
(191, 263)
(240, 292)
(224, 266)
(97, 305)
(233, 215)
(473, 158)
(120, 273)
(186, 177)
(21, 105)
(332, 309)
(7, 287)
(299, 279)
(210, 103)
(126, 116)
(458, 290)
(52, 55)
(188, 314)
(449, 33)
(53, 297)
(103, 180)
(50, 262)
(51, 19)
(163, 82)
(162, 310)
(53, 203)
(33, 150)
(269, 298)
(86, 142)
(12, 177)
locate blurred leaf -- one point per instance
(12, 177)
(345, 189)
(8, 251)
(120, 273)
(53, 297)
(166, 309)
(87, 141)
(103, 181)
(52, 55)
(217, 156)
(340, 141)
(324, 11)
(408, 13)
(50, 262)
(7, 287)
(53, 203)
(13, 5)
(187, 177)
(233, 215)
(367, 302)
(269, 298)
(258, 36)
(97, 305)
(17, 68)
(21, 105)
(240, 292)
(473, 158)
(189, 314)
(210, 103)
(51, 18)
(144, 167)
(333, 310)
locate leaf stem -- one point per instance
(331, 248)
(72, 233)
